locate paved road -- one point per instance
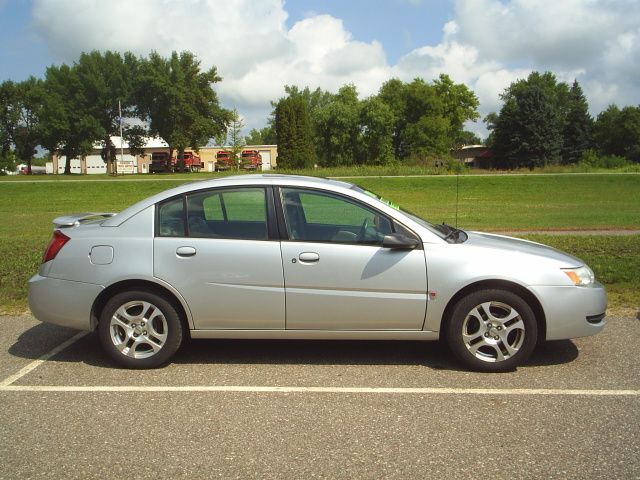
(572, 412)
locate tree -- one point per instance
(338, 128)
(20, 111)
(107, 82)
(68, 127)
(528, 131)
(264, 136)
(466, 138)
(392, 94)
(294, 133)
(235, 139)
(617, 132)
(9, 116)
(578, 126)
(27, 135)
(8, 162)
(460, 105)
(428, 118)
(376, 137)
(176, 98)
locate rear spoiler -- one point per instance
(78, 218)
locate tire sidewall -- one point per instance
(453, 330)
(174, 327)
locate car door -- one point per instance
(218, 249)
(337, 274)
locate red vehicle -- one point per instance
(187, 162)
(251, 160)
(224, 160)
(160, 163)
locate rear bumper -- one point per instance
(573, 312)
(62, 302)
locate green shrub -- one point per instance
(591, 159)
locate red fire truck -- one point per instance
(188, 162)
(251, 160)
(224, 160)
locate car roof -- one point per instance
(233, 180)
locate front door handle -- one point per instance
(309, 257)
(185, 251)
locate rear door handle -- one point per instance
(309, 257)
(185, 251)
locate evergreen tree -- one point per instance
(578, 126)
(294, 133)
(528, 131)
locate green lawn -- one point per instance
(543, 202)
(489, 202)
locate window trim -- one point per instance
(157, 207)
(284, 232)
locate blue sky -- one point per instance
(259, 46)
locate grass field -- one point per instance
(489, 203)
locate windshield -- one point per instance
(444, 231)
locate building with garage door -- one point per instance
(128, 163)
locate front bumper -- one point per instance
(567, 308)
(62, 302)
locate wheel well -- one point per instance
(519, 290)
(128, 285)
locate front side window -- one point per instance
(315, 216)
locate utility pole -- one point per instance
(121, 139)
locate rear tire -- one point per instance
(140, 329)
(491, 330)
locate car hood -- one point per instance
(517, 245)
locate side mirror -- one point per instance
(399, 241)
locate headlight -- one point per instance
(581, 276)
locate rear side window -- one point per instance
(230, 213)
(171, 218)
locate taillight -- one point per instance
(55, 245)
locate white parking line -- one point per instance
(36, 363)
(293, 389)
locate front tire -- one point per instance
(140, 329)
(491, 330)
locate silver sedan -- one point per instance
(275, 256)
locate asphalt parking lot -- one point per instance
(304, 409)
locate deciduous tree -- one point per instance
(67, 125)
(107, 82)
(617, 132)
(177, 100)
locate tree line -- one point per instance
(78, 106)
(546, 122)
(74, 107)
(403, 121)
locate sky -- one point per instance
(259, 46)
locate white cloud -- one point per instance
(595, 41)
(487, 45)
(247, 41)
